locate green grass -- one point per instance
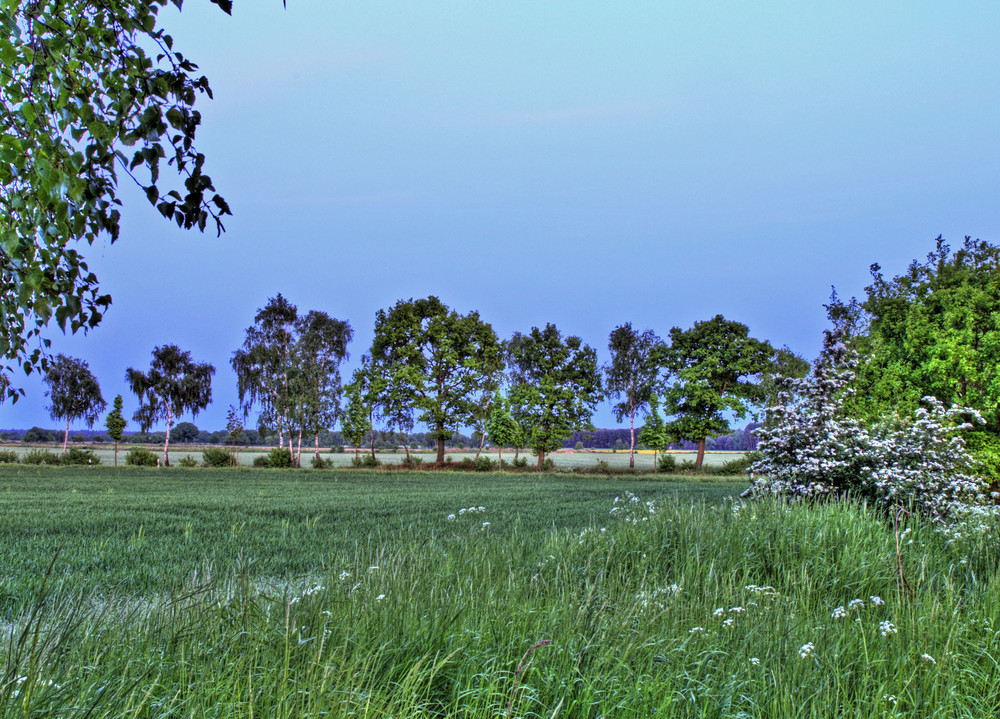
(298, 594)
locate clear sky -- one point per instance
(581, 163)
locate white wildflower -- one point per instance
(696, 630)
(806, 650)
(737, 610)
(344, 575)
(380, 597)
(839, 613)
(928, 658)
(886, 628)
(856, 604)
(875, 600)
(728, 622)
(451, 516)
(718, 612)
(755, 661)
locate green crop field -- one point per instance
(299, 593)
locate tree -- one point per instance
(556, 385)
(88, 90)
(320, 347)
(115, 424)
(234, 433)
(631, 375)
(711, 369)
(435, 362)
(175, 384)
(185, 432)
(654, 432)
(74, 392)
(356, 422)
(502, 428)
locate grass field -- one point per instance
(568, 460)
(218, 593)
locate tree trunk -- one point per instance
(372, 435)
(654, 461)
(116, 452)
(406, 449)
(631, 434)
(440, 455)
(166, 438)
(317, 447)
(500, 459)
(701, 453)
(66, 436)
(298, 450)
(482, 443)
(541, 459)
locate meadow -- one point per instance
(218, 593)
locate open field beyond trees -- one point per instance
(306, 593)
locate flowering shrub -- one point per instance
(812, 447)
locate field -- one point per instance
(562, 460)
(218, 593)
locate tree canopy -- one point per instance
(175, 384)
(89, 92)
(712, 368)
(556, 385)
(74, 392)
(435, 362)
(631, 375)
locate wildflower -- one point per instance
(856, 604)
(674, 589)
(806, 650)
(485, 525)
(875, 600)
(344, 575)
(737, 610)
(728, 622)
(696, 630)
(891, 698)
(755, 661)
(373, 568)
(886, 628)
(718, 612)
(380, 597)
(839, 613)
(451, 516)
(928, 658)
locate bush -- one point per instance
(320, 463)
(484, 464)
(667, 463)
(41, 456)
(366, 461)
(578, 446)
(9, 456)
(216, 457)
(187, 461)
(519, 463)
(337, 449)
(548, 465)
(602, 467)
(75, 455)
(412, 462)
(687, 466)
(261, 461)
(740, 465)
(141, 457)
(279, 458)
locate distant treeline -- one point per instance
(741, 440)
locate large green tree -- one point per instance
(932, 331)
(631, 375)
(712, 369)
(434, 362)
(502, 428)
(73, 391)
(356, 421)
(555, 386)
(89, 92)
(174, 384)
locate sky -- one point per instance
(581, 163)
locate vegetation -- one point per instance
(631, 375)
(73, 392)
(175, 384)
(115, 424)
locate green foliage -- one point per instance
(76, 455)
(216, 457)
(412, 462)
(73, 391)
(429, 360)
(519, 463)
(501, 427)
(261, 461)
(320, 463)
(740, 465)
(632, 373)
(8, 456)
(76, 115)
(985, 447)
(140, 457)
(175, 384)
(115, 422)
(37, 434)
(187, 461)
(366, 461)
(931, 331)
(556, 385)
(279, 458)
(667, 463)
(711, 370)
(356, 423)
(484, 464)
(41, 456)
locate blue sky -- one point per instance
(580, 163)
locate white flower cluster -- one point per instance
(468, 510)
(812, 447)
(631, 509)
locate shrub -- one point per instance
(667, 463)
(813, 448)
(8, 456)
(41, 456)
(602, 466)
(366, 461)
(187, 461)
(75, 455)
(279, 458)
(519, 463)
(484, 464)
(578, 446)
(412, 462)
(320, 463)
(261, 461)
(548, 465)
(140, 457)
(740, 465)
(687, 466)
(216, 457)
(337, 449)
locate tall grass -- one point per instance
(693, 610)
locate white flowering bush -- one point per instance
(812, 447)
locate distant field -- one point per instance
(563, 460)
